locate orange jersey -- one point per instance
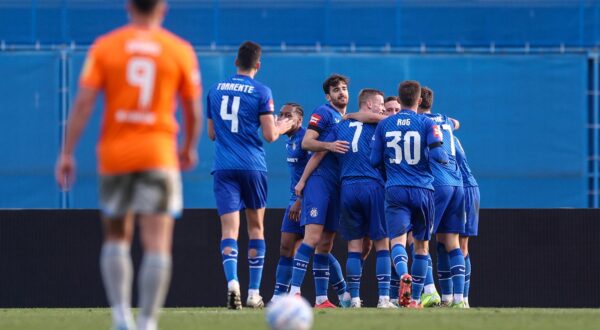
(141, 71)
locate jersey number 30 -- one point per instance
(412, 158)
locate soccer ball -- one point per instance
(289, 313)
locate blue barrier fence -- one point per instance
(528, 121)
(397, 23)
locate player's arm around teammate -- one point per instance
(138, 160)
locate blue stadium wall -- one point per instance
(398, 23)
(524, 120)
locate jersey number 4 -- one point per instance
(412, 158)
(233, 114)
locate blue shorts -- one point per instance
(472, 211)
(239, 189)
(321, 203)
(363, 213)
(449, 210)
(409, 208)
(289, 226)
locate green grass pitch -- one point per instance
(366, 318)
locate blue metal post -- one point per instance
(64, 197)
(33, 21)
(216, 18)
(398, 23)
(596, 131)
(581, 22)
(327, 27)
(64, 21)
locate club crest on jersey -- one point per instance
(436, 131)
(314, 120)
(314, 212)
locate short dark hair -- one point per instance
(333, 81)
(409, 93)
(427, 98)
(145, 6)
(297, 108)
(248, 55)
(391, 98)
(366, 93)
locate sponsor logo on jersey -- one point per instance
(314, 120)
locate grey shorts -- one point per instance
(147, 192)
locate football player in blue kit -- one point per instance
(449, 210)
(472, 199)
(403, 143)
(236, 108)
(291, 230)
(362, 200)
(320, 203)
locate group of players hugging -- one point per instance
(390, 175)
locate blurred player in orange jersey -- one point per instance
(141, 68)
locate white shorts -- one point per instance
(146, 192)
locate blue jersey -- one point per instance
(235, 106)
(296, 158)
(322, 120)
(446, 174)
(465, 170)
(355, 164)
(400, 142)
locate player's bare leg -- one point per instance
(367, 246)
(117, 269)
(230, 224)
(256, 255)
(155, 271)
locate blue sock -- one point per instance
(419, 271)
(400, 259)
(321, 274)
(301, 261)
(443, 269)
(429, 277)
(383, 270)
(457, 269)
(256, 263)
(283, 275)
(467, 276)
(230, 260)
(394, 284)
(353, 272)
(336, 277)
